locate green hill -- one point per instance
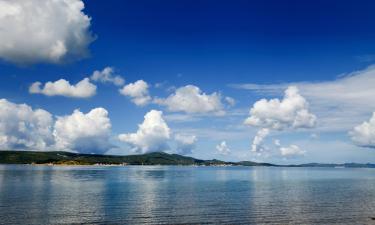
(155, 158)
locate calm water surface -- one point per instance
(185, 195)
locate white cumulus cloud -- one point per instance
(291, 151)
(190, 99)
(290, 112)
(83, 89)
(138, 92)
(22, 127)
(107, 76)
(152, 135)
(185, 143)
(85, 133)
(364, 134)
(223, 148)
(257, 145)
(50, 31)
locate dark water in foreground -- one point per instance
(185, 195)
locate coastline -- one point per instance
(38, 158)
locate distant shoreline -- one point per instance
(360, 166)
(149, 159)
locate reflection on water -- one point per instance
(196, 195)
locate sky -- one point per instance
(269, 81)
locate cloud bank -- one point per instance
(24, 128)
(43, 31)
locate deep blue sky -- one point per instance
(210, 44)
(230, 41)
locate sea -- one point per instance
(31, 194)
